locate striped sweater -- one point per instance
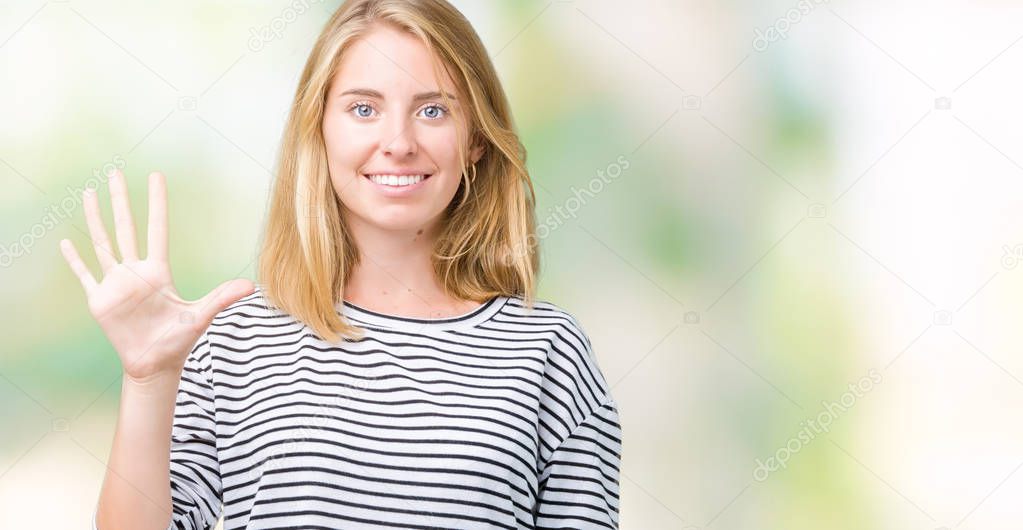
(498, 418)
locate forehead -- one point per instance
(388, 59)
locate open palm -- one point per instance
(149, 325)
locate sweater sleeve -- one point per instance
(196, 492)
(578, 485)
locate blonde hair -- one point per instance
(487, 246)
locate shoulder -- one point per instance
(546, 315)
(574, 389)
(571, 361)
(251, 307)
(249, 321)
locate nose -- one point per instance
(398, 138)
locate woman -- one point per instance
(391, 369)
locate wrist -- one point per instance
(157, 383)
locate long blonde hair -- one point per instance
(487, 246)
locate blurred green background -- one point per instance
(750, 206)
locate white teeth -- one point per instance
(396, 180)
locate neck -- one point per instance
(395, 272)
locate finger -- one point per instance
(67, 248)
(124, 225)
(156, 247)
(97, 232)
(224, 295)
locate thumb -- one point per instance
(223, 296)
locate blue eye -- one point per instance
(438, 109)
(358, 106)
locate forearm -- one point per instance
(136, 490)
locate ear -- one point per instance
(477, 152)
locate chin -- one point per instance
(399, 218)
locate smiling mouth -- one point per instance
(398, 181)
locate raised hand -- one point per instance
(149, 325)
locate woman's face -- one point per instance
(392, 145)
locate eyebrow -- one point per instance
(368, 92)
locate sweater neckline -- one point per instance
(473, 317)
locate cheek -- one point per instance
(440, 146)
(337, 139)
(345, 147)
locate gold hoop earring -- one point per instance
(472, 178)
